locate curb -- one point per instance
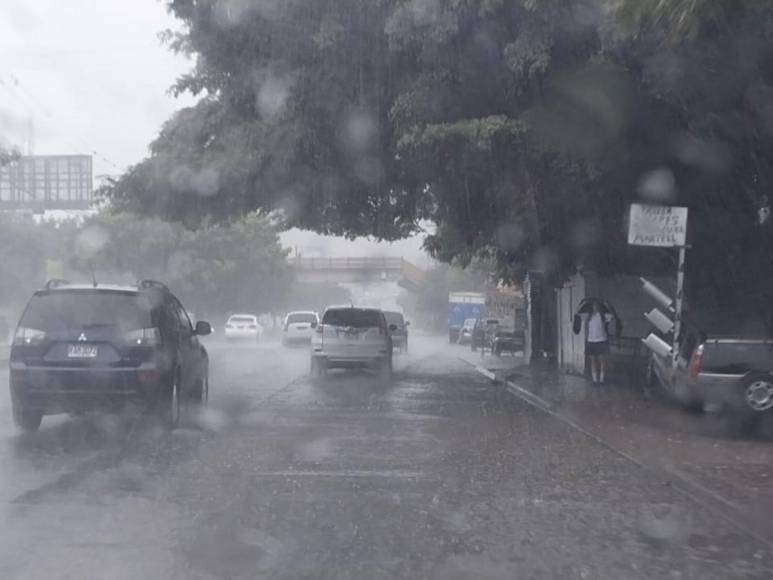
(679, 481)
(516, 390)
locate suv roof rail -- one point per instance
(144, 284)
(56, 282)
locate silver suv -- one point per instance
(732, 372)
(351, 337)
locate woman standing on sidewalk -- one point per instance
(597, 343)
(598, 318)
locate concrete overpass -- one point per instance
(358, 270)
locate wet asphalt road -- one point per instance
(439, 475)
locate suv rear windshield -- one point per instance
(353, 317)
(301, 317)
(83, 309)
(243, 319)
(394, 317)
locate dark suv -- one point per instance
(80, 348)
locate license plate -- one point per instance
(82, 351)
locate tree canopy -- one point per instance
(521, 128)
(214, 269)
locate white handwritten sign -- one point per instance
(657, 225)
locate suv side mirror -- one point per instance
(392, 327)
(203, 328)
(314, 325)
(406, 324)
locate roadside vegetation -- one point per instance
(522, 129)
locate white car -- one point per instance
(299, 327)
(243, 326)
(351, 337)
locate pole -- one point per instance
(678, 305)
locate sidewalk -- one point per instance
(547, 384)
(701, 454)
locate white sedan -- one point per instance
(299, 327)
(243, 326)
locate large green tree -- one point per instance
(522, 129)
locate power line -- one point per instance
(19, 91)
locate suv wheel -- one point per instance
(385, 370)
(758, 393)
(28, 420)
(687, 400)
(169, 406)
(318, 367)
(201, 395)
(204, 395)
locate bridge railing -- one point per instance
(376, 263)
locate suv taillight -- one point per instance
(696, 361)
(28, 336)
(143, 337)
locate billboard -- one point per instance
(44, 182)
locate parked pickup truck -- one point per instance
(732, 372)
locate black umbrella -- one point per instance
(586, 307)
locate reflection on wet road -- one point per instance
(439, 475)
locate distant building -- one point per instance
(47, 182)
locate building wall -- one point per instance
(570, 350)
(624, 293)
(42, 182)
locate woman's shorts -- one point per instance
(596, 348)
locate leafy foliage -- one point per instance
(7, 156)
(522, 129)
(214, 269)
(27, 250)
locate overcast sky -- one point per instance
(88, 75)
(94, 79)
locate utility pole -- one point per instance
(678, 304)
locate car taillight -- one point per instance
(28, 336)
(149, 376)
(143, 336)
(696, 362)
